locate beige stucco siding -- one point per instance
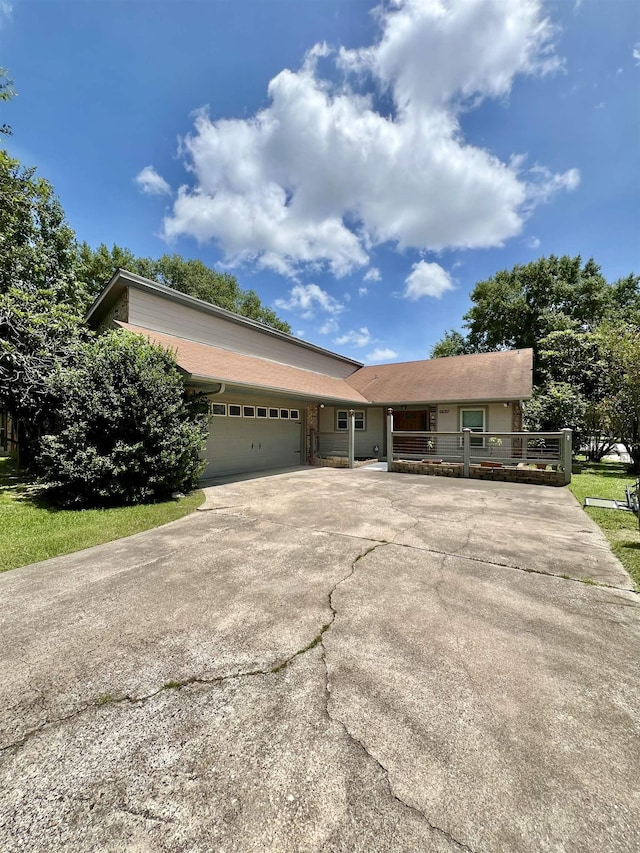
(164, 315)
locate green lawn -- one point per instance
(30, 532)
(607, 480)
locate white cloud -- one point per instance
(329, 327)
(360, 338)
(320, 176)
(427, 280)
(532, 242)
(379, 355)
(306, 299)
(6, 12)
(544, 184)
(636, 52)
(372, 275)
(362, 291)
(299, 333)
(435, 54)
(151, 182)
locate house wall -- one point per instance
(498, 418)
(366, 439)
(164, 315)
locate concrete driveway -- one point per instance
(327, 661)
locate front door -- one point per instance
(404, 421)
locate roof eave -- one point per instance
(271, 389)
(439, 401)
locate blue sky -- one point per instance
(361, 168)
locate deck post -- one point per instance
(466, 451)
(566, 454)
(351, 439)
(389, 438)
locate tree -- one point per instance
(6, 93)
(554, 407)
(123, 432)
(620, 343)
(96, 266)
(517, 308)
(575, 359)
(453, 343)
(625, 300)
(40, 298)
(37, 246)
(36, 337)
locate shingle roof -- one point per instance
(220, 365)
(461, 378)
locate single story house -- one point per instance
(278, 401)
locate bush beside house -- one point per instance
(123, 431)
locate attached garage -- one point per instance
(252, 435)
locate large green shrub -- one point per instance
(123, 431)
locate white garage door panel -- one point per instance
(237, 445)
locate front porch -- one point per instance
(542, 458)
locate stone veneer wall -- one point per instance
(446, 469)
(340, 462)
(120, 311)
(311, 434)
(532, 476)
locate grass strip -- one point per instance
(607, 480)
(31, 531)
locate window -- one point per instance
(248, 411)
(284, 414)
(342, 419)
(219, 409)
(473, 419)
(235, 411)
(261, 412)
(274, 413)
(295, 415)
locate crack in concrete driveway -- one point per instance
(361, 683)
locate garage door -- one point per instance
(244, 438)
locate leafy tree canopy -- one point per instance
(519, 307)
(40, 298)
(553, 407)
(37, 246)
(36, 336)
(453, 343)
(6, 93)
(575, 358)
(620, 346)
